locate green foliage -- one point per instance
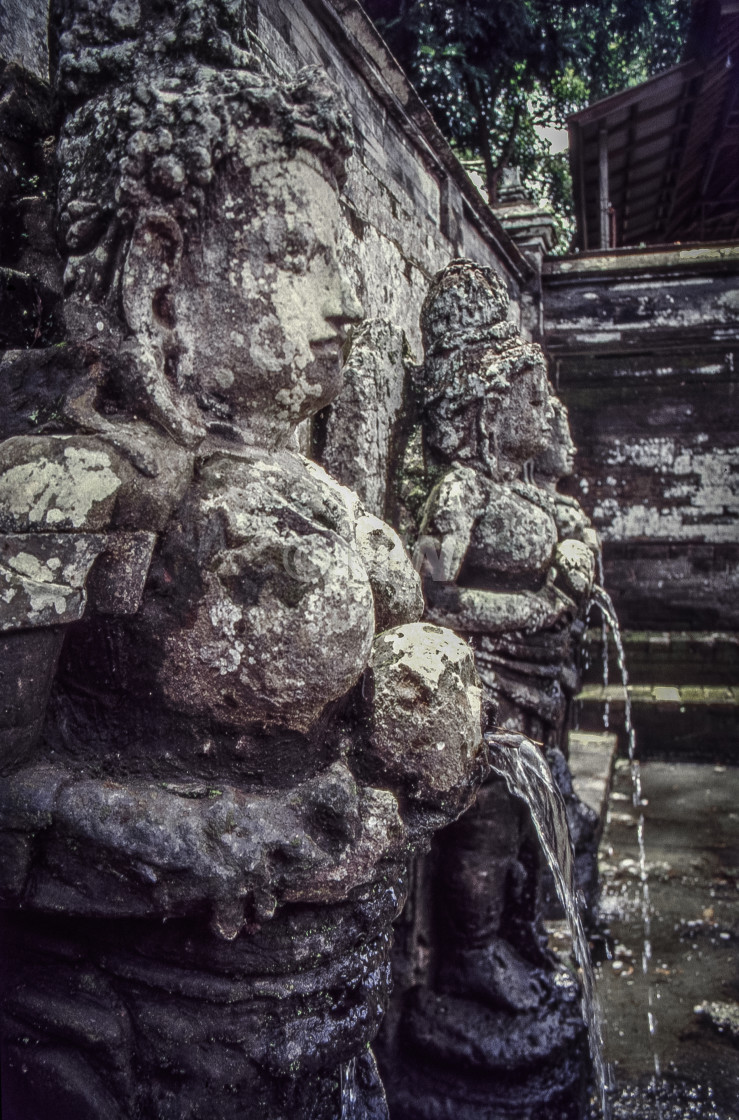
(494, 73)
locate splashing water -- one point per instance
(603, 601)
(348, 1085)
(529, 778)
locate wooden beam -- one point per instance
(652, 138)
(603, 191)
(578, 186)
(618, 101)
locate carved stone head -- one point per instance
(199, 208)
(484, 389)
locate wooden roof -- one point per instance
(659, 163)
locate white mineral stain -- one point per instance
(224, 377)
(26, 564)
(55, 493)
(708, 479)
(474, 700)
(44, 596)
(224, 614)
(426, 651)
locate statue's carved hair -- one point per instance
(153, 91)
(472, 354)
(154, 95)
(465, 303)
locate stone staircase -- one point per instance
(684, 689)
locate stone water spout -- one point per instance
(225, 726)
(484, 1019)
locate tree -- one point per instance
(494, 74)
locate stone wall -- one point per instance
(644, 349)
(410, 207)
(23, 35)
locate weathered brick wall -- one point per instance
(645, 347)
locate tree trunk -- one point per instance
(483, 138)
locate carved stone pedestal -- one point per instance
(159, 1021)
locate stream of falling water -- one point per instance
(348, 1087)
(529, 778)
(604, 603)
(603, 643)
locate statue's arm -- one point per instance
(453, 507)
(476, 610)
(396, 587)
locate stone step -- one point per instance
(667, 657)
(691, 722)
(591, 755)
(679, 696)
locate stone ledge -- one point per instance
(591, 755)
(682, 696)
(659, 259)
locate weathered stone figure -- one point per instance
(491, 1015)
(223, 727)
(559, 649)
(489, 411)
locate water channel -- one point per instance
(667, 975)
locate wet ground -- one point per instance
(691, 837)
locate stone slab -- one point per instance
(591, 756)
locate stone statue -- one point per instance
(492, 1017)
(224, 728)
(575, 532)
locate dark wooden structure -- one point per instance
(660, 162)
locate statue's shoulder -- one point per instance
(283, 484)
(91, 483)
(58, 483)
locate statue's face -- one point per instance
(559, 456)
(523, 423)
(265, 305)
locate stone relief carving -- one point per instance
(225, 728)
(358, 437)
(509, 565)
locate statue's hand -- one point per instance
(574, 567)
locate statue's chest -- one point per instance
(514, 538)
(277, 616)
